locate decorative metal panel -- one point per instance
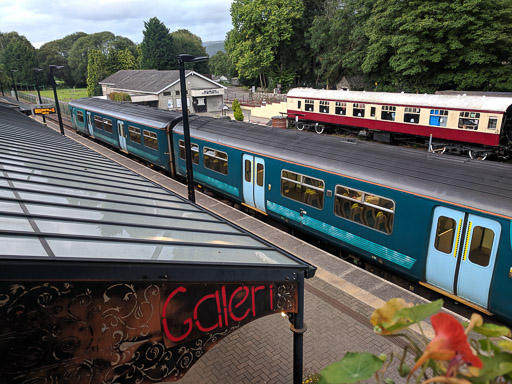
(119, 332)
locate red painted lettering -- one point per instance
(271, 297)
(198, 324)
(233, 295)
(254, 290)
(164, 320)
(225, 304)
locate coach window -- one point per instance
(134, 134)
(438, 117)
(493, 122)
(341, 108)
(324, 106)
(194, 149)
(299, 102)
(445, 233)
(364, 208)
(481, 246)
(388, 112)
(98, 122)
(309, 105)
(150, 139)
(469, 120)
(358, 110)
(412, 115)
(259, 174)
(80, 116)
(305, 189)
(215, 160)
(107, 124)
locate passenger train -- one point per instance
(474, 125)
(443, 222)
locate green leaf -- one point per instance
(408, 316)
(354, 367)
(492, 330)
(487, 345)
(505, 345)
(498, 365)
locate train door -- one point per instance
(461, 254)
(122, 135)
(254, 181)
(89, 124)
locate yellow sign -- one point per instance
(44, 111)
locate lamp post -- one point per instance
(14, 83)
(52, 69)
(37, 86)
(182, 59)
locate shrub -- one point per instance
(237, 110)
(120, 96)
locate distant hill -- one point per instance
(212, 47)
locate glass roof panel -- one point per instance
(7, 206)
(15, 224)
(21, 246)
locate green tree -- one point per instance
(96, 71)
(262, 30)
(220, 64)
(17, 53)
(157, 48)
(237, 110)
(186, 42)
(120, 59)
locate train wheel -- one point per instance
(478, 155)
(300, 126)
(319, 129)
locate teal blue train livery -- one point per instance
(439, 221)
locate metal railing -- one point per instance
(32, 99)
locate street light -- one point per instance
(14, 83)
(37, 86)
(182, 59)
(52, 78)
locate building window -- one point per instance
(358, 110)
(364, 208)
(150, 139)
(134, 134)
(438, 117)
(168, 93)
(324, 106)
(107, 125)
(215, 160)
(194, 149)
(98, 122)
(412, 115)
(177, 93)
(469, 120)
(341, 108)
(80, 116)
(493, 122)
(309, 105)
(304, 189)
(388, 112)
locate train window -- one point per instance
(98, 122)
(299, 104)
(259, 174)
(194, 149)
(358, 110)
(341, 108)
(412, 115)
(445, 234)
(469, 120)
(481, 246)
(438, 117)
(309, 105)
(80, 116)
(134, 134)
(388, 112)
(304, 189)
(493, 122)
(215, 160)
(324, 106)
(248, 171)
(107, 124)
(150, 139)
(364, 208)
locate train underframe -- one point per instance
(439, 146)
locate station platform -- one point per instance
(338, 303)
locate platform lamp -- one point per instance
(37, 86)
(53, 68)
(14, 82)
(1, 85)
(182, 59)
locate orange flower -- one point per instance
(450, 342)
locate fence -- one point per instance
(33, 99)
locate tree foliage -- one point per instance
(186, 42)
(96, 71)
(237, 110)
(220, 65)
(157, 48)
(16, 53)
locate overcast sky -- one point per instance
(43, 21)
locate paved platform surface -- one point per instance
(338, 303)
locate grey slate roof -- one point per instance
(144, 80)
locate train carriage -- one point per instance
(460, 123)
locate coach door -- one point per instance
(462, 253)
(122, 135)
(254, 181)
(89, 124)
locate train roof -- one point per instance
(459, 102)
(140, 114)
(481, 185)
